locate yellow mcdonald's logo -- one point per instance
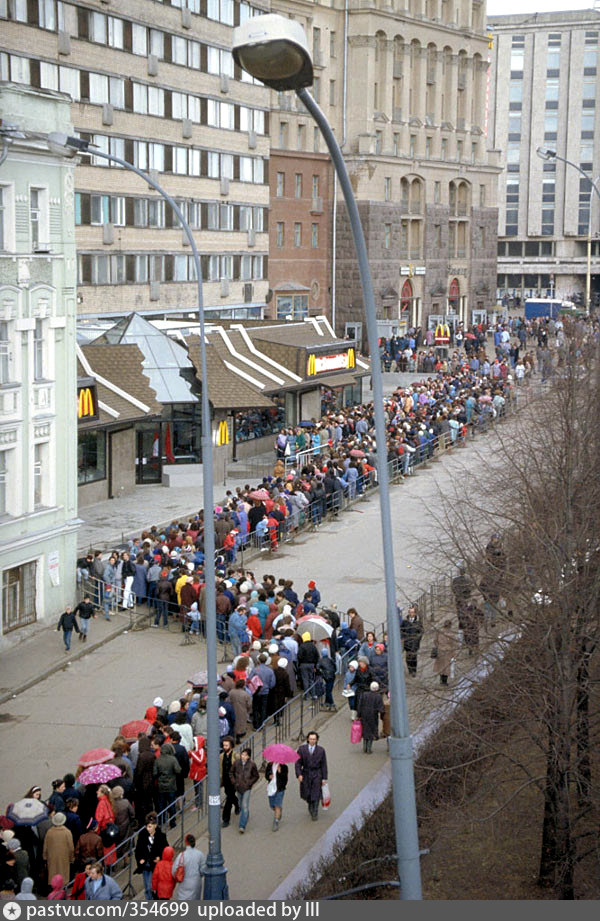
(85, 403)
(311, 365)
(351, 359)
(223, 435)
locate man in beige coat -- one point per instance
(242, 707)
(59, 852)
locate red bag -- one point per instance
(356, 732)
(180, 871)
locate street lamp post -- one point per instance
(546, 153)
(275, 50)
(215, 874)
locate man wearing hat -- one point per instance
(315, 594)
(58, 852)
(308, 659)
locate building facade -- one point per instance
(404, 86)
(156, 86)
(543, 93)
(38, 396)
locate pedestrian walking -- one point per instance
(276, 776)
(370, 711)
(445, 647)
(68, 623)
(193, 862)
(326, 669)
(411, 630)
(311, 771)
(227, 759)
(244, 775)
(163, 881)
(99, 885)
(85, 610)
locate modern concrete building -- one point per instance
(38, 395)
(156, 85)
(543, 92)
(404, 86)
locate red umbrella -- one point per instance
(356, 452)
(261, 495)
(470, 336)
(96, 756)
(130, 731)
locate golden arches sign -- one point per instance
(86, 403)
(222, 434)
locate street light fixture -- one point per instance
(547, 153)
(215, 874)
(275, 50)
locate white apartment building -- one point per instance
(38, 377)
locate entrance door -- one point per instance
(148, 461)
(479, 316)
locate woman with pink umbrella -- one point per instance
(278, 757)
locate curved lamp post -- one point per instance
(215, 879)
(547, 153)
(275, 50)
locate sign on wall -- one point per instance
(222, 433)
(322, 364)
(87, 400)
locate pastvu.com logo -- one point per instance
(12, 911)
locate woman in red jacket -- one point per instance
(163, 881)
(105, 816)
(198, 768)
(253, 624)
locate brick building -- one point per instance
(299, 234)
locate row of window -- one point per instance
(43, 488)
(298, 186)
(141, 268)
(140, 98)
(280, 235)
(185, 161)
(124, 211)
(525, 248)
(51, 14)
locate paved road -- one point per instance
(44, 730)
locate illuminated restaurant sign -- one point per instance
(321, 364)
(87, 400)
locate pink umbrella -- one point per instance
(356, 452)
(100, 773)
(261, 495)
(131, 730)
(280, 754)
(96, 756)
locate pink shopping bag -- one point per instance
(356, 732)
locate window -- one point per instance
(474, 152)
(316, 140)
(301, 137)
(3, 477)
(18, 596)
(482, 196)
(444, 148)
(297, 234)
(36, 216)
(315, 187)
(437, 236)
(39, 456)
(459, 150)
(437, 192)
(332, 92)
(139, 39)
(294, 306)
(314, 239)
(515, 91)
(332, 44)
(91, 456)
(387, 188)
(396, 144)
(412, 145)
(246, 268)
(280, 185)
(552, 89)
(387, 236)
(589, 88)
(298, 185)
(428, 147)
(280, 234)
(4, 353)
(283, 135)
(514, 123)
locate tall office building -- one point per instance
(156, 85)
(405, 87)
(543, 94)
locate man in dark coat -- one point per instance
(370, 708)
(308, 659)
(281, 690)
(411, 631)
(311, 771)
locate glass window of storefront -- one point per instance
(91, 456)
(185, 432)
(333, 398)
(257, 423)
